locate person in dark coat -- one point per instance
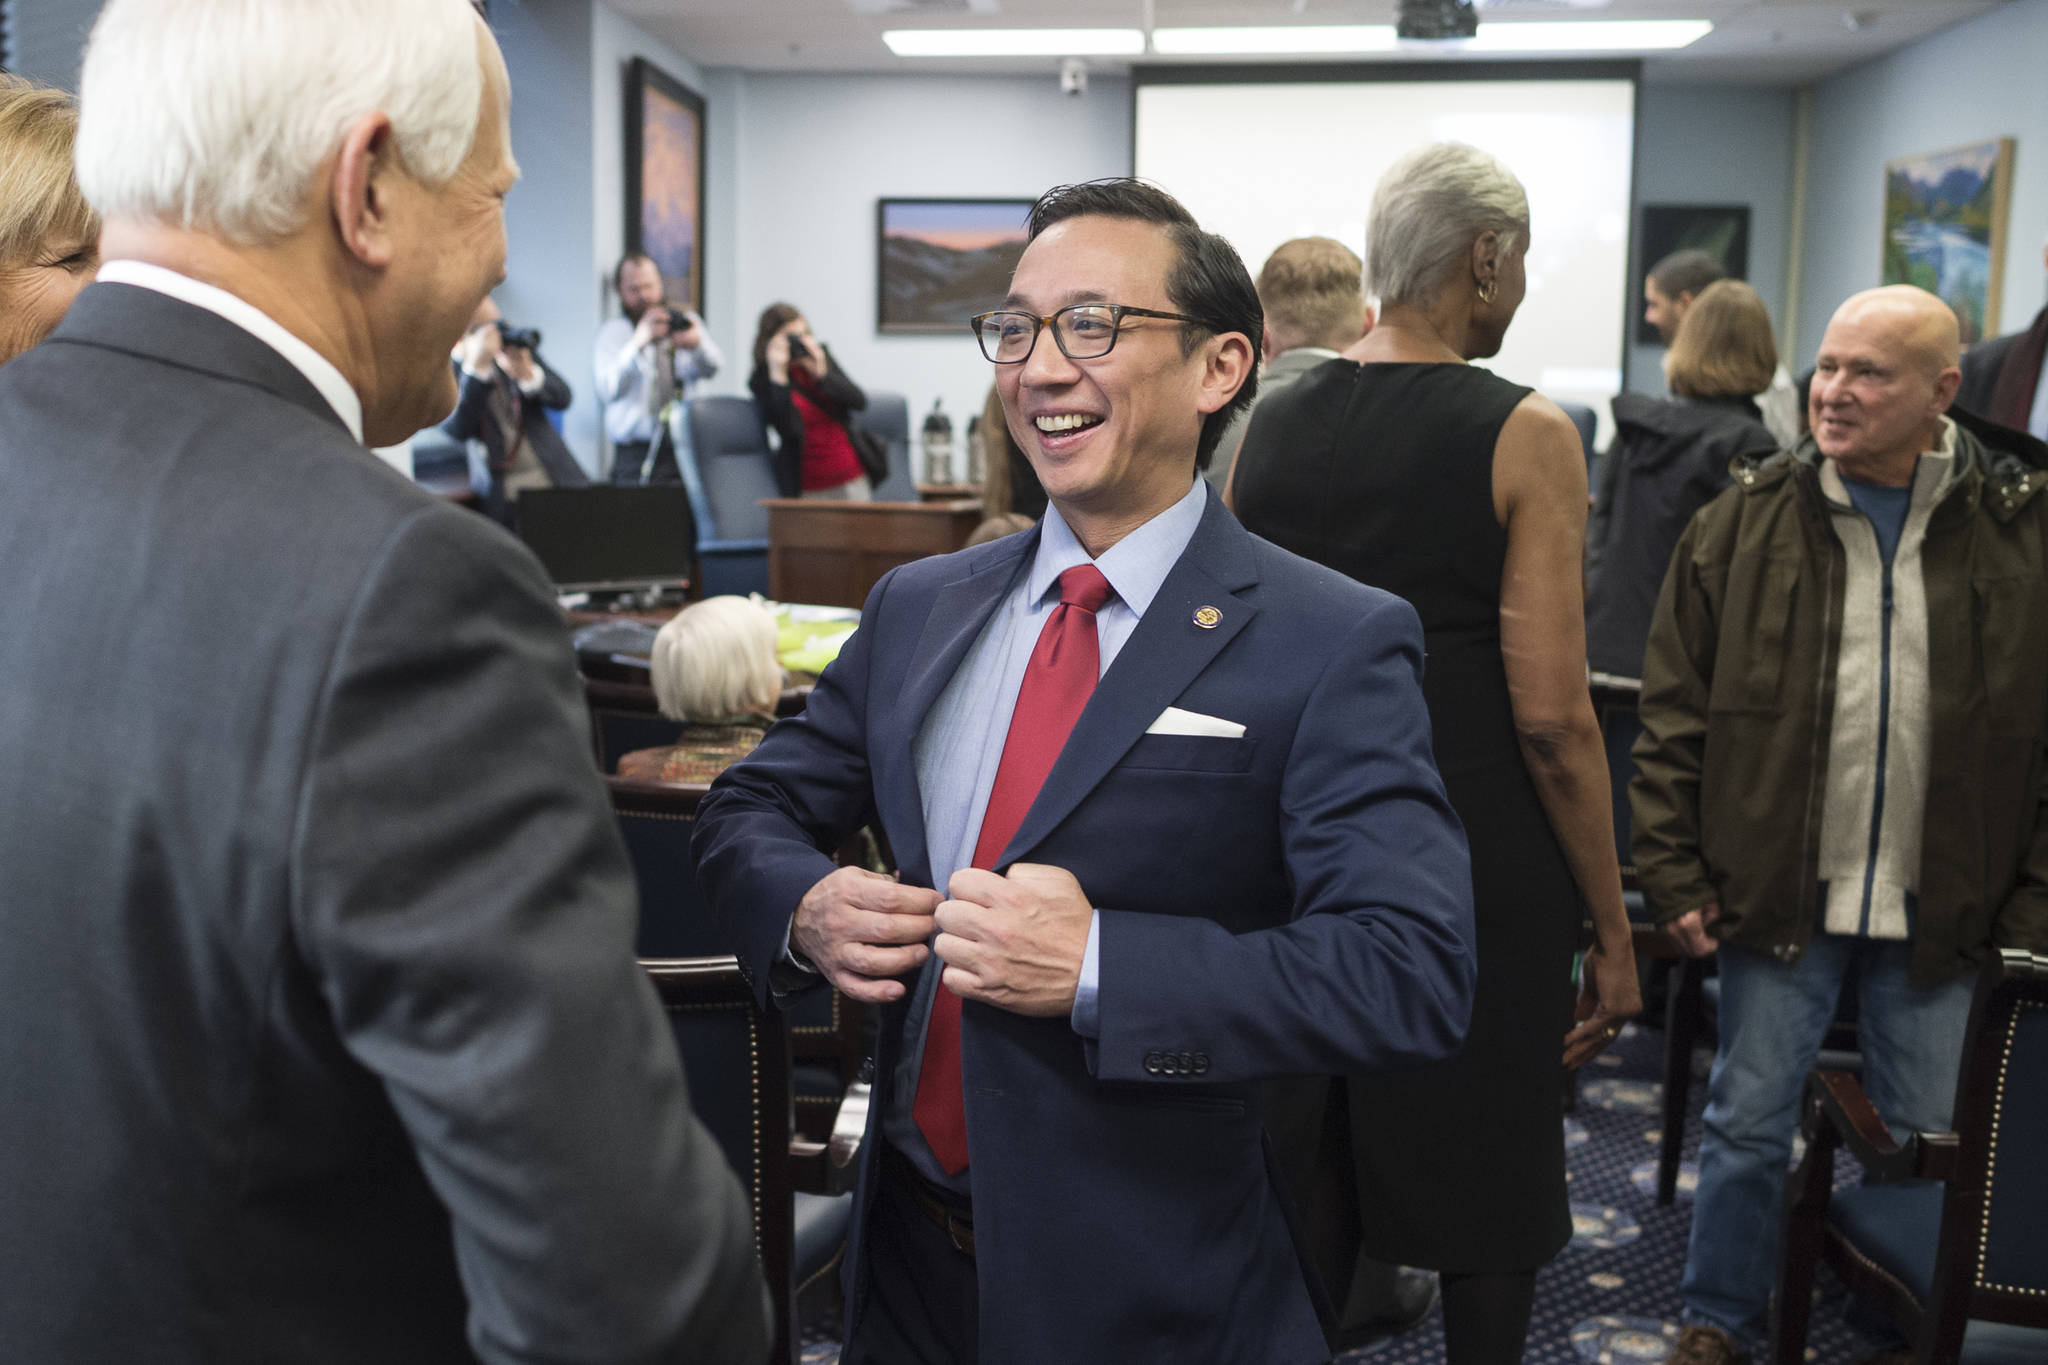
(321, 1037)
(2002, 377)
(1669, 458)
(506, 393)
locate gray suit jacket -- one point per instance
(320, 1033)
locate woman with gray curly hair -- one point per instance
(49, 237)
(1404, 466)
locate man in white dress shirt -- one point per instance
(654, 353)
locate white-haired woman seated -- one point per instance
(715, 671)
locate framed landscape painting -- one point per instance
(1944, 228)
(941, 261)
(1720, 230)
(665, 179)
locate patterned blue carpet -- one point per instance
(1611, 1297)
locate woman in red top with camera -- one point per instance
(809, 403)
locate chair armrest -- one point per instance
(1836, 1105)
(830, 1167)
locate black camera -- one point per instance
(799, 349)
(678, 320)
(525, 338)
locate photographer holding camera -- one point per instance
(809, 403)
(652, 355)
(506, 392)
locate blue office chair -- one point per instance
(722, 453)
(1944, 1237)
(887, 415)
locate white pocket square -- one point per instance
(1174, 721)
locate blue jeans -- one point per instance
(1773, 1018)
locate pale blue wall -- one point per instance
(1717, 145)
(1986, 78)
(46, 38)
(816, 152)
(547, 46)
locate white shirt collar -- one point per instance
(319, 371)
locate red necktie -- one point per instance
(1056, 687)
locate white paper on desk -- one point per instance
(1174, 721)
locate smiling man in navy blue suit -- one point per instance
(1239, 865)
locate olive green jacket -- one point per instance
(1738, 694)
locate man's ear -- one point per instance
(1945, 385)
(1227, 365)
(1266, 345)
(361, 184)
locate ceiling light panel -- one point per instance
(1291, 39)
(1015, 42)
(1599, 35)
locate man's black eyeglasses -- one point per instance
(1083, 331)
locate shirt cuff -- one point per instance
(532, 386)
(790, 974)
(1087, 1014)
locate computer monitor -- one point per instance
(609, 539)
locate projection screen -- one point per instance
(1263, 161)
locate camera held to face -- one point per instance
(525, 338)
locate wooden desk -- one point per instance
(832, 553)
(948, 492)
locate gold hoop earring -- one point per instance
(1489, 291)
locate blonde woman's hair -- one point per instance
(1429, 208)
(39, 199)
(716, 660)
(1723, 347)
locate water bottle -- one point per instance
(938, 445)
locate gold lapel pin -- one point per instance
(1207, 617)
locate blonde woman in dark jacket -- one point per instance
(1669, 458)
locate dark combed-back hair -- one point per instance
(1207, 281)
(1686, 272)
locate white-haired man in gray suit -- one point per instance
(320, 1033)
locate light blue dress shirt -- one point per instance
(961, 743)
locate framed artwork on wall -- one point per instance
(665, 178)
(1720, 230)
(1944, 228)
(938, 262)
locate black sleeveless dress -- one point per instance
(1385, 472)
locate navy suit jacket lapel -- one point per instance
(959, 611)
(1165, 653)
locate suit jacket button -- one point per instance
(1152, 1063)
(1187, 1063)
(1201, 1063)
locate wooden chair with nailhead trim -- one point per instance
(1945, 1238)
(736, 1061)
